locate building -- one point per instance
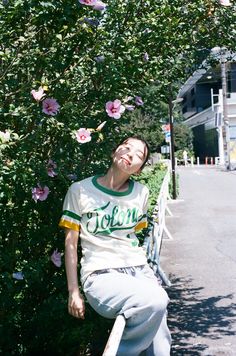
(202, 108)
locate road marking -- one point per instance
(198, 173)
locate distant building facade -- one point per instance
(202, 110)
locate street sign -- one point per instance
(165, 149)
(167, 136)
(166, 128)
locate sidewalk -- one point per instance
(201, 263)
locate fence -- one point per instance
(153, 241)
(152, 245)
(212, 160)
(186, 162)
(190, 161)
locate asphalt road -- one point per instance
(201, 263)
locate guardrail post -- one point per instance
(115, 336)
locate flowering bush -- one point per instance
(61, 62)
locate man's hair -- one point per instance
(139, 139)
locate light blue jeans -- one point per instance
(136, 293)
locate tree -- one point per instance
(183, 137)
(147, 122)
(82, 58)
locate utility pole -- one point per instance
(172, 148)
(226, 136)
(172, 143)
(221, 52)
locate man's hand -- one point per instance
(76, 306)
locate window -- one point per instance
(232, 131)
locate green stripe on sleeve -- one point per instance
(71, 215)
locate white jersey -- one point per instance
(107, 221)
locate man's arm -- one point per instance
(76, 306)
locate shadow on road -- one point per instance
(192, 316)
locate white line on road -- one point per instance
(198, 173)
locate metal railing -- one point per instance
(115, 336)
(153, 241)
(152, 244)
(191, 161)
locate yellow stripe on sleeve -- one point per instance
(141, 226)
(69, 225)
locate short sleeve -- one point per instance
(71, 215)
(143, 222)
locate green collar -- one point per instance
(110, 191)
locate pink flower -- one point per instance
(115, 109)
(56, 258)
(130, 107)
(138, 101)
(96, 4)
(50, 106)
(88, 2)
(225, 2)
(38, 95)
(40, 193)
(99, 5)
(51, 172)
(50, 168)
(83, 135)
